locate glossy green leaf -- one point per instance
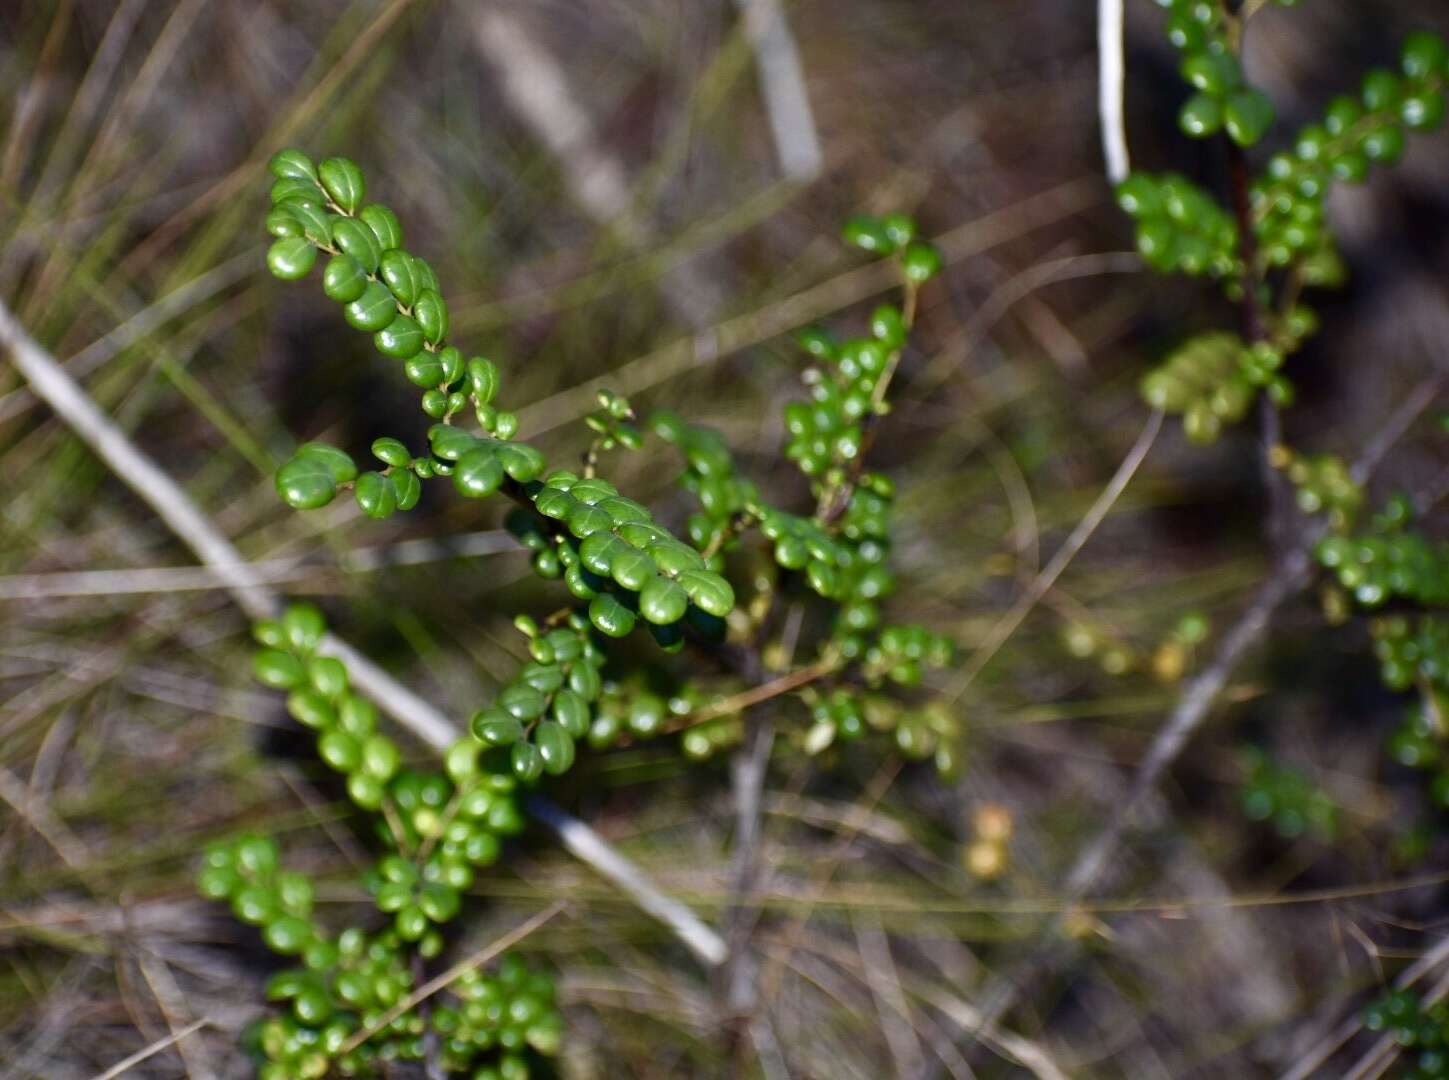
(281, 222)
(305, 483)
(375, 495)
(408, 487)
(479, 472)
(291, 257)
(521, 461)
(343, 182)
(553, 503)
(344, 280)
(527, 762)
(373, 310)
(451, 443)
(663, 601)
(292, 163)
(431, 312)
(303, 626)
(357, 240)
(632, 569)
(710, 592)
(278, 669)
(384, 225)
(1247, 116)
(402, 339)
(555, 747)
(610, 616)
(920, 262)
(585, 520)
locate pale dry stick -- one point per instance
(1041, 585)
(1111, 74)
(781, 316)
(159, 579)
(782, 85)
(1291, 573)
(151, 1051)
(1309, 1063)
(174, 506)
(445, 979)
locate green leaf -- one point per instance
(527, 762)
(920, 262)
(281, 222)
(340, 750)
(663, 601)
(868, 234)
(399, 273)
(344, 280)
(292, 163)
(553, 503)
(343, 181)
(1212, 73)
(432, 315)
(439, 902)
(357, 240)
(523, 702)
(478, 473)
(710, 592)
(291, 257)
(599, 550)
(304, 483)
(1201, 116)
(555, 747)
(571, 712)
(402, 339)
(375, 495)
(674, 558)
(280, 670)
(303, 626)
(482, 379)
(450, 443)
(391, 451)
(585, 520)
(521, 461)
(379, 757)
(316, 222)
(373, 310)
(494, 727)
(632, 569)
(610, 616)
(625, 511)
(337, 462)
(425, 370)
(408, 487)
(384, 225)
(295, 187)
(1247, 116)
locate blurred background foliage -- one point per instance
(596, 184)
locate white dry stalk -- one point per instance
(1111, 76)
(782, 85)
